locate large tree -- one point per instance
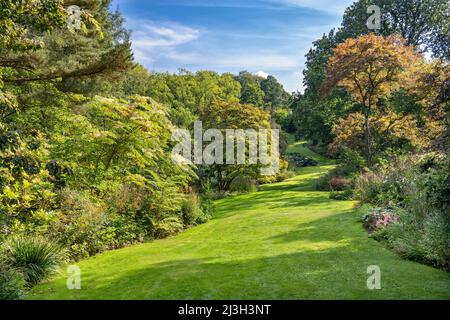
(232, 115)
(275, 95)
(370, 68)
(422, 23)
(251, 92)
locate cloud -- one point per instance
(152, 35)
(150, 39)
(262, 74)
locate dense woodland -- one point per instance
(85, 133)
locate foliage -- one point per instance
(274, 94)
(12, 283)
(191, 210)
(37, 258)
(416, 190)
(389, 131)
(251, 91)
(369, 67)
(168, 226)
(378, 218)
(283, 225)
(422, 23)
(244, 184)
(82, 162)
(186, 93)
(25, 188)
(232, 115)
(297, 160)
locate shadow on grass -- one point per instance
(331, 264)
(313, 274)
(298, 191)
(331, 228)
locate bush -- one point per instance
(191, 210)
(207, 203)
(417, 182)
(339, 184)
(168, 226)
(333, 181)
(12, 283)
(286, 175)
(36, 257)
(297, 160)
(435, 240)
(244, 185)
(342, 177)
(378, 218)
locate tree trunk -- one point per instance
(367, 139)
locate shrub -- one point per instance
(339, 179)
(435, 240)
(12, 283)
(297, 160)
(191, 210)
(244, 184)
(425, 239)
(333, 181)
(87, 227)
(378, 218)
(339, 184)
(36, 257)
(286, 175)
(368, 187)
(207, 203)
(168, 226)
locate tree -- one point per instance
(232, 115)
(186, 93)
(369, 67)
(251, 92)
(37, 44)
(313, 115)
(422, 23)
(275, 95)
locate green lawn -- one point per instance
(287, 241)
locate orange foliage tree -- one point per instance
(369, 68)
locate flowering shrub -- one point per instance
(340, 184)
(377, 218)
(417, 187)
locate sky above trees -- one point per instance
(271, 36)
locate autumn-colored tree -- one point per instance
(369, 68)
(388, 130)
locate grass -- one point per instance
(286, 241)
(301, 147)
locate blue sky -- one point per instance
(271, 36)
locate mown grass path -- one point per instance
(286, 241)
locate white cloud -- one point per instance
(152, 35)
(262, 74)
(234, 60)
(152, 39)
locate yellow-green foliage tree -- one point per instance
(232, 115)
